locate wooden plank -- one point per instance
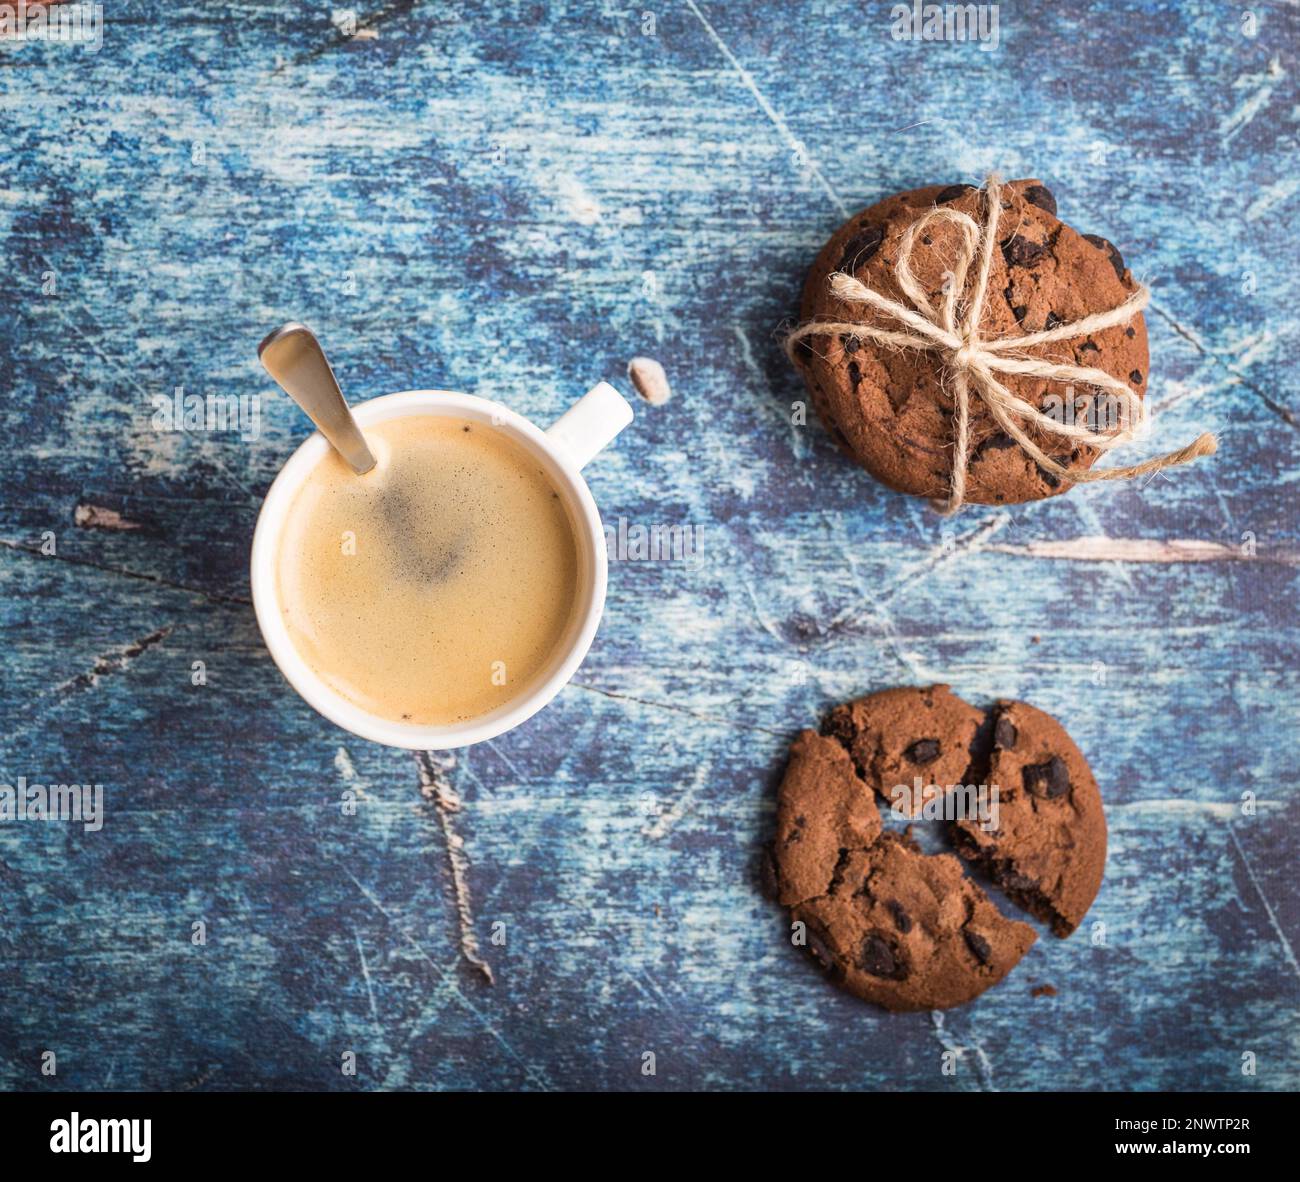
(515, 203)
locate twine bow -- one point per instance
(952, 331)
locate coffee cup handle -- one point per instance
(590, 424)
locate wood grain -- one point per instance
(516, 202)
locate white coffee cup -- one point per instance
(563, 450)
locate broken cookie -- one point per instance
(909, 930)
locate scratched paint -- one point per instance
(516, 203)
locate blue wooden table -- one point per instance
(514, 202)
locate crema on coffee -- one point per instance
(439, 585)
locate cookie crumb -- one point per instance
(1042, 991)
(649, 379)
(99, 517)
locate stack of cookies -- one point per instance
(892, 408)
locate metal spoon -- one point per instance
(293, 357)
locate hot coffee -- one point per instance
(437, 586)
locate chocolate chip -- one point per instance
(1020, 311)
(1116, 259)
(951, 193)
(902, 920)
(1042, 197)
(1051, 479)
(1020, 252)
(923, 751)
(1052, 320)
(998, 441)
(1130, 332)
(978, 945)
(880, 959)
(859, 249)
(851, 344)
(803, 347)
(1135, 376)
(1089, 347)
(1004, 735)
(855, 373)
(1048, 780)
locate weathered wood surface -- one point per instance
(514, 202)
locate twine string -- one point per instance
(953, 331)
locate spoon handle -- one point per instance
(293, 357)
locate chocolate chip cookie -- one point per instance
(891, 408)
(909, 930)
(1049, 851)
